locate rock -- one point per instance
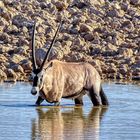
(119, 76)
(74, 57)
(60, 5)
(95, 50)
(136, 74)
(113, 13)
(5, 14)
(21, 50)
(78, 42)
(44, 5)
(1, 4)
(16, 58)
(136, 64)
(26, 65)
(89, 36)
(3, 66)
(85, 28)
(126, 52)
(4, 38)
(17, 68)
(24, 29)
(125, 6)
(22, 42)
(123, 70)
(135, 2)
(110, 50)
(3, 75)
(21, 21)
(81, 5)
(12, 30)
(111, 68)
(66, 43)
(3, 24)
(3, 59)
(11, 74)
(74, 30)
(4, 50)
(128, 24)
(40, 29)
(49, 32)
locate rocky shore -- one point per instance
(105, 33)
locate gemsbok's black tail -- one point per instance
(103, 97)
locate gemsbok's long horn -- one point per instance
(33, 47)
(51, 45)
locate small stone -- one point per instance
(25, 29)
(4, 37)
(135, 2)
(3, 58)
(26, 65)
(21, 50)
(123, 70)
(112, 13)
(21, 21)
(12, 30)
(126, 52)
(85, 28)
(11, 74)
(89, 37)
(16, 58)
(125, 6)
(60, 5)
(44, 5)
(128, 24)
(78, 41)
(17, 68)
(3, 75)
(112, 69)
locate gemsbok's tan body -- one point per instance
(55, 80)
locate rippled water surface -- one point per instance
(21, 120)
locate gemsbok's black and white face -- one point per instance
(38, 79)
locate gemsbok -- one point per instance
(55, 79)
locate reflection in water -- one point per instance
(21, 120)
(56, 124)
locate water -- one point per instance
(21, 120)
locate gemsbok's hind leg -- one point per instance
(79, 100)
(95, 97)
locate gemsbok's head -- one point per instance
(38, 73)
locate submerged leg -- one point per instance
(56, 103)
(79, 100)
(39, 100)
(95, 97)
(103, 97)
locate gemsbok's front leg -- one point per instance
(39, 101)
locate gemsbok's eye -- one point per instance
(41, 79)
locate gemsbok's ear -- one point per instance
(49, 65)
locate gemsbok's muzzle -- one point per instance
(34, 90)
